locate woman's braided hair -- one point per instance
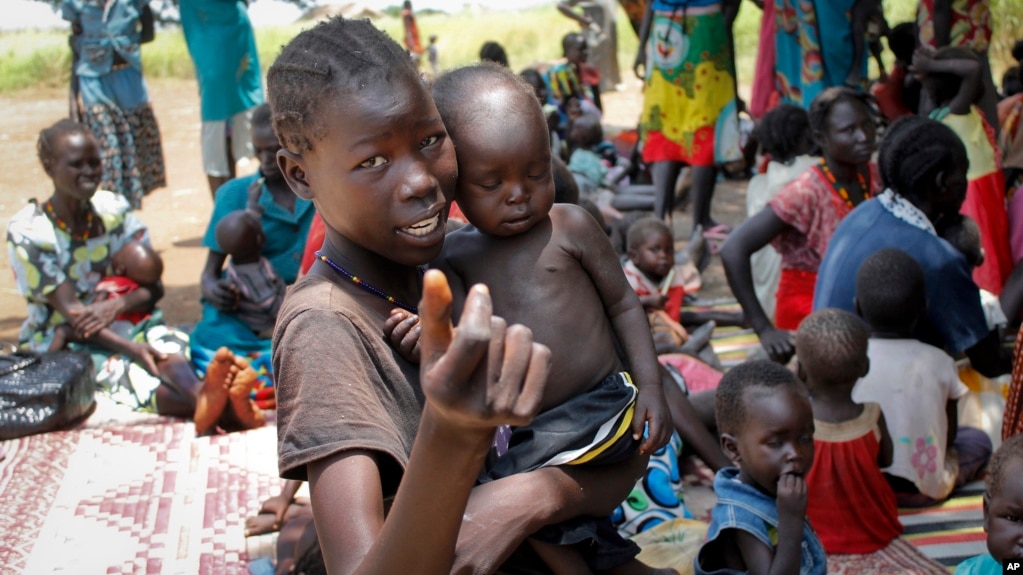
(914, 150)
(336, 56)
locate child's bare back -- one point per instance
(551, 278)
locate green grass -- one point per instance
(41, 59)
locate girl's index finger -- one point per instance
(435, 315)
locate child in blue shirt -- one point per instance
(759, 524)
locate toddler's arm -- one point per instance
(629, 322)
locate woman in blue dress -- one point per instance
(106, 39)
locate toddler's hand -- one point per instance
(652, 411)
(403, 331)
(792, 497)
(484, 373)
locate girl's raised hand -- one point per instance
(484, 373)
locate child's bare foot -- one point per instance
(213, 395)
(242, 382)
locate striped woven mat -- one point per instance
(134, 494)
(952, 531)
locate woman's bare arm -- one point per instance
(740, 246)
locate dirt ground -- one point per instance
(178, 214)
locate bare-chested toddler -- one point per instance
(257, 287)
(551, 268)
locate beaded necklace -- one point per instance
(841, 189)
(48, 208)
(358, 281)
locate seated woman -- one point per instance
(61, 249)
(285, 219)
(800, 219)
(924, 166)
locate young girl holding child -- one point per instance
(759, 524)
(852, 506)
(355, 418)
(506, 191)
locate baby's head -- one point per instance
(240, 235)
(650, 246)
(766, 423)
(1003, 501)
(138, 262)
(964, 235)
(363, 140)
(505, 184)
(831, 345)
(890, 292)
(585, 131)
(784, 133)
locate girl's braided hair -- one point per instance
(336, 56)
(914, 150)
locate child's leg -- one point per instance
(62, 335)
(973, 449)
(179, 387)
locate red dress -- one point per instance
(851, 506)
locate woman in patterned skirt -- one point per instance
(106, 37)
(689, 100)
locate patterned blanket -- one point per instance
(130, 493)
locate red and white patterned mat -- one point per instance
(137, 495)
